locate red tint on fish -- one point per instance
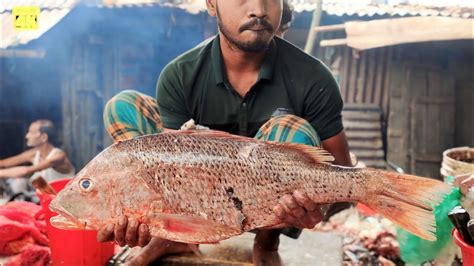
(206, 186)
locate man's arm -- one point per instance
(21, 158)
(171, 98)
(23, 171)
(338, 147)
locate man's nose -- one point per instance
(258, 9)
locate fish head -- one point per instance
(90, 200)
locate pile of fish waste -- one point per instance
(367, 240)
(23, 234)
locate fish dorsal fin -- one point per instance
(199, 132)
(314, 154)
(210, 133)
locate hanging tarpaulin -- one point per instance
(363, 35)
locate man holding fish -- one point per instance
(234, 82)
(190, 187)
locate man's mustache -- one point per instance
(254, 22)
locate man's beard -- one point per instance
(258, 45)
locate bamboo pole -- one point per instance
(314, 23)
(326, 28)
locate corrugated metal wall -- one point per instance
(364, 77)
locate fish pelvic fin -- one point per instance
(190, 229)
(409, 201)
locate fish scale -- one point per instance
(262, 167)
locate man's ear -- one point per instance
(44, 137)
(212, 7)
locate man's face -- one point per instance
(34, 137)
(248, 25)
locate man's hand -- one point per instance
(125, 232)
(298, 210)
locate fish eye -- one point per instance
(85, 184)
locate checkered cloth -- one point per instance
(288, 128)
(130, 114)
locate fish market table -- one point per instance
(312, 248)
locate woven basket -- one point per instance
(457, 161)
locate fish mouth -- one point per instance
(65, 220)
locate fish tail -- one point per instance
(408, 201)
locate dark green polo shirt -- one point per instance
(194, 85)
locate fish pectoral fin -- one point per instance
(191, 229)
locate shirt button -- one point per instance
(244, 104)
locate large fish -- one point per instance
(206, 186)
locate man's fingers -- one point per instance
(125, 232)
(289, 202)
(131, 236)
(284, 215)
(143, 235)
(120, 229)
(293, 221)
(298, 210)
(313, 211)
(315, 217)
(292, 207)
(309, 219)
(106, 233)
(280, 212)
(303, 200)
(290, 211)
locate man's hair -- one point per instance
(47, 127)
(287, 13)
